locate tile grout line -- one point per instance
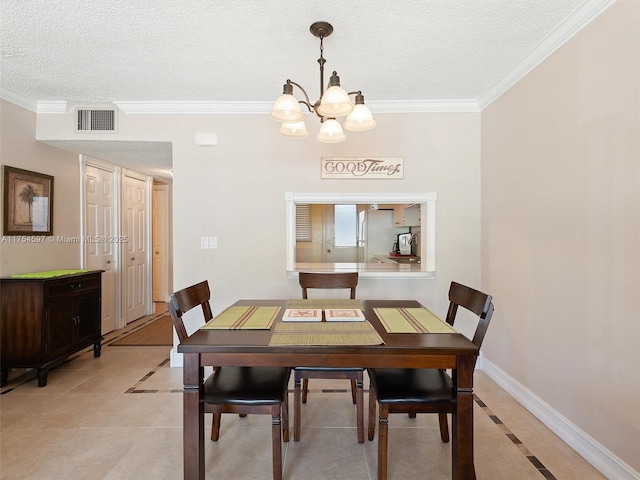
(107, 340)
(516, 441)
(510, 435)
(136, 388)
(118, 335)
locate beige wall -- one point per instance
(18, 148)
(561, 230)
(236, 192)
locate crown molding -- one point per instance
(192, 107)
(582, 17)
(424, 106)
(36, 106)
(399, 106)
(52, 106)
(212, 108)
(19, 100)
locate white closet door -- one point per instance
(99, 246)
(160, 241)
(135, 258)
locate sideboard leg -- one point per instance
(97, 348)
(42, 376)
(4, 377)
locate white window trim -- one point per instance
(427, 220)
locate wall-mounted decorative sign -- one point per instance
(28, 202)
(363, 167)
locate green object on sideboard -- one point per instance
(48, 274)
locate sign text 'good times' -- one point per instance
(360, 167)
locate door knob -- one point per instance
(108, 262)
(133, 258)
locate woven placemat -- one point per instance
(411, 320)
(324, 303)
(325, 333)
(244, 318)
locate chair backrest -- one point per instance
(474, 301)
(328, 281)
(184, 300)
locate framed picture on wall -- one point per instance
(27, 202)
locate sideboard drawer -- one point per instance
(72, 285)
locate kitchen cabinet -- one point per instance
(44, 320)
(406, 215)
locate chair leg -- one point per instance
(383, 440)
(305, 389)
(285, 418)
(276, 440)
(215, 427)
(372, 413)
(297, 406)
(444, 427)
(360, 408)
(354, 387)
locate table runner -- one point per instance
(411, 320)
(324, 303)
(325, 333)
(244, 318)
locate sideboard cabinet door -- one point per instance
(59, 329)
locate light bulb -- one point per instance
(286, 109)
(331, 132)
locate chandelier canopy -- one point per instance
(335, 102)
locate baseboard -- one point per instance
(597, 455)
(175, 358)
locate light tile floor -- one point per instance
(120, 417)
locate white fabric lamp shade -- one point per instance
(286, 109)
(335, 103)
(331, 132)
(360, 119)
(293, 130)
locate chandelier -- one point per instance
(333, 103)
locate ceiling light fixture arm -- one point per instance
(288, 89)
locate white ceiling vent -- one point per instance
(96, 120)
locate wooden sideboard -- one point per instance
(44, 320)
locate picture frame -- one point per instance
(27, 202)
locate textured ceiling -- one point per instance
(91, 52)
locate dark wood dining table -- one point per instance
(400, 350)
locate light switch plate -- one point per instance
(204, 242)
(213, 242)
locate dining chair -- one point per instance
(347, 280)
(242, 390)
(412, 391)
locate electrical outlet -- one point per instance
(213, 242)
(204, 242)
